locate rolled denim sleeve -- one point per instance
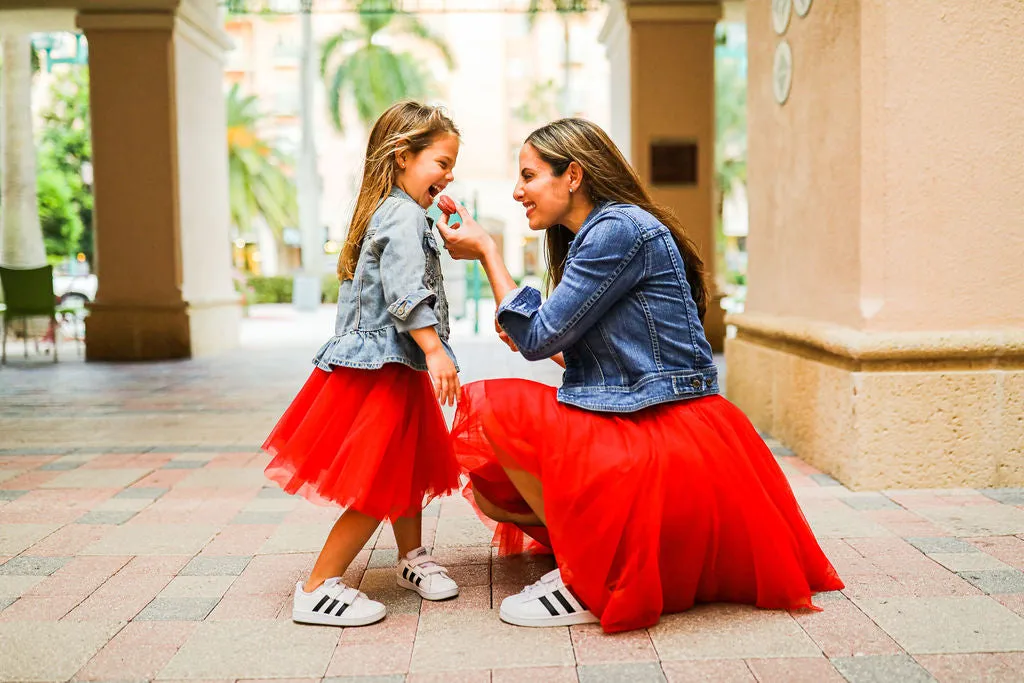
(608, 263)
(399, 243)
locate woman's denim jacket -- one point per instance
(397, 287)
(623, 315)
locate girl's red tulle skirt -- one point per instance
(649, 512)
(370, 440)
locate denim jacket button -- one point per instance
(695, 383)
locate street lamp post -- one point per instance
(306, 292)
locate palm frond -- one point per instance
(412, 24)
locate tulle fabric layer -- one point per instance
(649, 512)
(371, 440)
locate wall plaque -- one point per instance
(780, 15)
(782, 72)
(674, 162)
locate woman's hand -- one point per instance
(445, 376)
(503, 336)
(466, 240)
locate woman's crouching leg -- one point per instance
(499, 514)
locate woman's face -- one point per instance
(544, 195)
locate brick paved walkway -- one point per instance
(139, 541)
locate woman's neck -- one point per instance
(577, 214)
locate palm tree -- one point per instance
(259, 185)
(567, 10)
(373, 73)
(22, 241)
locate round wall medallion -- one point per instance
(780, 15)
(782, 72)
(802, 7)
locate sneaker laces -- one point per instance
(546, 584)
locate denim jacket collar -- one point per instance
(399, 193)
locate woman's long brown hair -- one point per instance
(406, 126)
(607, 177)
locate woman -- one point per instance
(653, 491)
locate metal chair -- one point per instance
(28, 293)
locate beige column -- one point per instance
(662, 57)
(883, 339)
(160, 168)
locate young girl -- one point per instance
(365, 431)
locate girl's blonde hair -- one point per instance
(405, 127)
(607, 176)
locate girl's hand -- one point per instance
(503, 336)
(466, 240)
(445, 377)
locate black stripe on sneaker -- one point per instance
(323, 601)
(551, 608)
(405, 573)
(331, 606)
(569, 609)
(341, 610)
(419, 579)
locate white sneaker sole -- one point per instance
(308, 617)
(441, 595)
(542, 622)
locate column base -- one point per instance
(215, 326)
(883, 410)
(146, 333)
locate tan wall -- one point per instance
(944, 142)
(804, 166)
(884, 334)
(894, 164)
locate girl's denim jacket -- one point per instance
(397, 287)
(623, 315)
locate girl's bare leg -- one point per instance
(348, 536)
(408, 533)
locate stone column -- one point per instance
(160, 168)
(662, 56)
(883, 339)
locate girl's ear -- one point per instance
(401, 158)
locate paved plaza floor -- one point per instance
(140, 541)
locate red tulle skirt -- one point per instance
(647, 512)
(370, 440)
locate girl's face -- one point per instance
(544, 195)
(424, 175)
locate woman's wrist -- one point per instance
(490, 254)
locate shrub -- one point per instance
(271, 290)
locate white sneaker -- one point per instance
(335, 604)
(549, 602)
(420, 572)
